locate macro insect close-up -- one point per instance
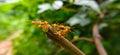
(59, 27)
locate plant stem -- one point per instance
(97, 36)
(61, 41)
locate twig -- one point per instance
(56, 33)
(61, 41)
(83, 38)
(96, 36)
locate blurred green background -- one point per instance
(16, 17)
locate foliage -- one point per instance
(33, 41)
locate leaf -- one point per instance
(107, 2)
(90, 3)
(57, 5)
(78, 19)
(102, 25)
(8, 1)
(46, 6)
(43, 7)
